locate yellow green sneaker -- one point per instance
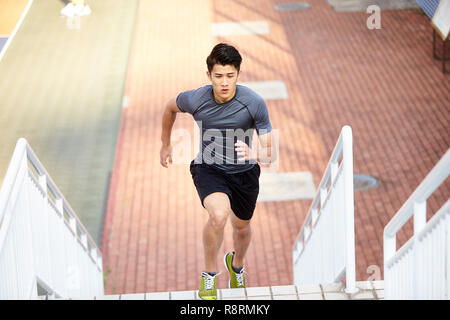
(208, 289)
(237, 279)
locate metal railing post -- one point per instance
(349, 210)
(419, 220)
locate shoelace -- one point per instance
(209, 280)
(240, 278)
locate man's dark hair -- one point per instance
(224, 54)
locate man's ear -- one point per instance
(208, 75)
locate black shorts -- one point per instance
(242, 188)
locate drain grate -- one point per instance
(292, 6)
(364, 182)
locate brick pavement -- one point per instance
(383, 83)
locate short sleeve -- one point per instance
(184, 101)
(262, 121)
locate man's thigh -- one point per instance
(217, 202)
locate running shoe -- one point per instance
(68, 10)
(208, 289)
(86, 10)
(237, 279)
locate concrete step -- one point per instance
(367, 290)
(362, 5)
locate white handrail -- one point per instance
(325, 248)
(420, 267)
(432, 181)
(42, 241)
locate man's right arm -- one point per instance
(168, 119)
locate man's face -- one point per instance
(223, 79)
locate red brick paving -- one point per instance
(383, 83)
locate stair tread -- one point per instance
(367, 290)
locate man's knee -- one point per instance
(218, 218)
(242, 229)
(239, 225)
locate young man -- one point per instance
(226, 170)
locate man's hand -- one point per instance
(244, 152)
(265, 153)
(165, 154)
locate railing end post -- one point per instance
(347, 130)
(22, 141)
(351, 289)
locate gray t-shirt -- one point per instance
(222, 124)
